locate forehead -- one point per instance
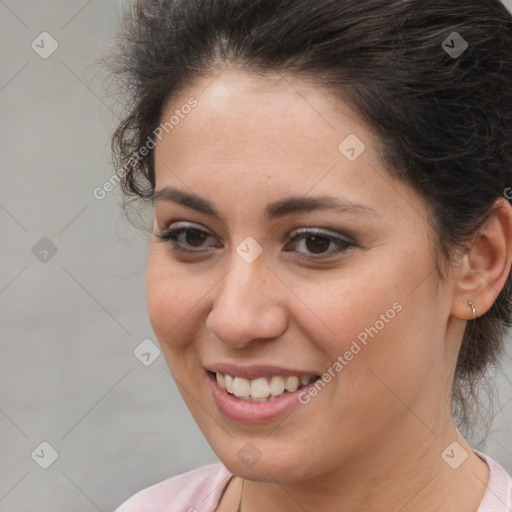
(306, 110)
(269, 137)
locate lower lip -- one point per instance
(254, 412)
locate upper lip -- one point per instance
(256, 371)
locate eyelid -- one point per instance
(291, 235)
(168, 235)
(181, 224)
(321, 231)
(342, 242)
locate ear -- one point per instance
(485, 267)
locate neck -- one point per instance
(406, 473)
(241, 496)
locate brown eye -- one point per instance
(194, 237)
(317, 244)
(185, 239)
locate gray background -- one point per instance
(70, 321)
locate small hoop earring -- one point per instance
(473, 309)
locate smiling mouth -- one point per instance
(262, 389)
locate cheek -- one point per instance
(381, 303)
(350, 307)
(172, 299)
(378, 336)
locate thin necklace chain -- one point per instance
(243, 482)
(240, 504)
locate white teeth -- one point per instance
(250, 399)
(228, 381)
(291, 384)
(276, 386)
(304, 381)
(260, 389)
(256, 399)
(241, 387)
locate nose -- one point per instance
(249, 305)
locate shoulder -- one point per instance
(498, 496)
(193, 491)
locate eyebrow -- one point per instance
(277, 209)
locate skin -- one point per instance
(372, 438)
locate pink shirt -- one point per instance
(199, 490)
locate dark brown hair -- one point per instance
(444, 119)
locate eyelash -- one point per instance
(171, 236)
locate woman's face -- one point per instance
(248, 293)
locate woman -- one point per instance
(329, 275)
